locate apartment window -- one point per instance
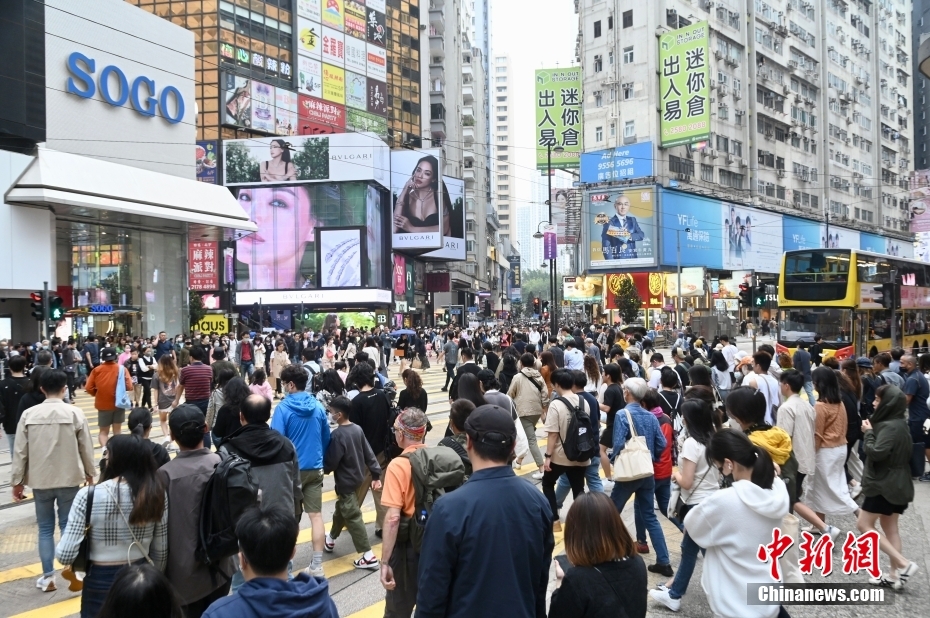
(610, 57)
(736, 148)
(627, 90)
(613, 129)
(502, 88)
(502, 187)
(707, 173)
(502, 108)
(598, 99)
(597, 29)
(723, 112)
(731, 179)
(610, 22)
(500, 69)
(502, 148)
(613, 93)
(628, 55)
(502, 129)
(680, 165)
(598, 134)
(500, 80)
(629, 128)
(502, 138)
(503, 168)
(628, 19)
(499, 99)
(503, 177)
(723, 143)
(598, 63)
(502, 118)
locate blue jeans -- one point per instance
(689, 552)
(246, 369)
(663, 493)
(644, 490)
(45, 515)
(592, 477)
(809, 389)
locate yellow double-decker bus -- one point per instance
(845, 297)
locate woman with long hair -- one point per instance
(698, 481)
(886, 481)
(470, 389)
(227, 417)
(509, 370)
(720, 374)
(827, 493)
(607, 574)
(166, 382)
(417, 207)
(547, 368)
(413, 395)
(279, 166)
(279, 360)
(128, 521)
(139, 423)
(330, 354)
(731, 520)
(332, 386)
(593, 371)
(258, 383)
(851, 393)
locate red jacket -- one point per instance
(663, 467)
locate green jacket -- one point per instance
(888, 448)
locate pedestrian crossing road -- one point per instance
(358, 594)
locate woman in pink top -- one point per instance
(259, 384)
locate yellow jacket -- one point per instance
(775, 441)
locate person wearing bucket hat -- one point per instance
(503, 581)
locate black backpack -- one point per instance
(229, 493)
(581, 440)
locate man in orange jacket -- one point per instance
(101, 383)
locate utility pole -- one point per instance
(752, 303)
(552, 263)
(894, 306)
(45, 310)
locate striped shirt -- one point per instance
(196, 379)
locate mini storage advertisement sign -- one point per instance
(684, 85)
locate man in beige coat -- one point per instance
(54, 455)
(528, 391)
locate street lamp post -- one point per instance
(678, 299)
(554, 261)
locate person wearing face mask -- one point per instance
(245, 357)
(147, 364)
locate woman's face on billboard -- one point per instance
(285, 225)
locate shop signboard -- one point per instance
(684, 85)
(620, 163)
(438, 282)
(310, 77)
(354, 18)
(840, 238)
(583, 288)
(319, 117)
(330, 158)
(333, 10)
(311, 9)
(377, 32)
(213, 324)
(420, 219)
(203, 265)
(752, 238)
(872, 242)
(400, 275)
(558, 117)
(648, 285)
(896, 247)
(692, 282)
(621, 228)
(343, 298)
(263, 102)
(356, 91)
(206, 153)
(801, 234)
(357, 120)
(453, 239)
(285, 108)
(411, 292)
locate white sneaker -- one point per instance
(833, 531)
(318, 572)
(884, 582)
(855, 490)
(608, 486)
(46, 583)
(537, 475)
(328, 544)
(661, 595)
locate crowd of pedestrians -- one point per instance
(712, 436)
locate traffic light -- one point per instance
(745, 295)
(56, 310)
(889, 296)
(487, 308)
(536, 306)
(759, 297)
(38, 305)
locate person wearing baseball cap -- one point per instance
(101, 383)
(495, 509)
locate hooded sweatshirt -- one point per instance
(267, 597)
(274, 463)
(300, 418)
(888, 447)
(731, 559)
(663, 468)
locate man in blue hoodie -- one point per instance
(301, 419)
(267, 542)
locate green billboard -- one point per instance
(558, 117)
(684, 85)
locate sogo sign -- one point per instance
(142, 93)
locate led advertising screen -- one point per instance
(419, 219)
(323, 158)
(621, 228)
(282, 254)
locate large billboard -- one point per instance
(453, 244)
(583, 288)
(752, 238)
(566, 214)
(342, 61)
(558, 117)
(684, 85)
(620, 163)
(419, 219)
(621, 227)
(649, 285)
(252, 104)
(321, 158)
(297, 221)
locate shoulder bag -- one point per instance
(634, 462)
(676, 504)
(135, 541)
(82, 560)
(122, 397)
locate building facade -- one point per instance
(501, 141)
(920, 28)
(810, 102)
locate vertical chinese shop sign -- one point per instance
(202, 259)
(558, 117)
(684, 85)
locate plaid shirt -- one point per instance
(110, 537)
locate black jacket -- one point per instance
(11, 391)
(274, 464)
(471, 368)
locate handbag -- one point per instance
(122, 397)
(634, 462)
(417, 363)
(676, 504)
(82, 559)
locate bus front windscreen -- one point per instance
(803, 324)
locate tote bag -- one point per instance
(122, 397)
(634, 462)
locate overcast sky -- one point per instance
(537, 34)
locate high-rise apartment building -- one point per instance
(810, 101)
(501, 142)
(920, 19)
